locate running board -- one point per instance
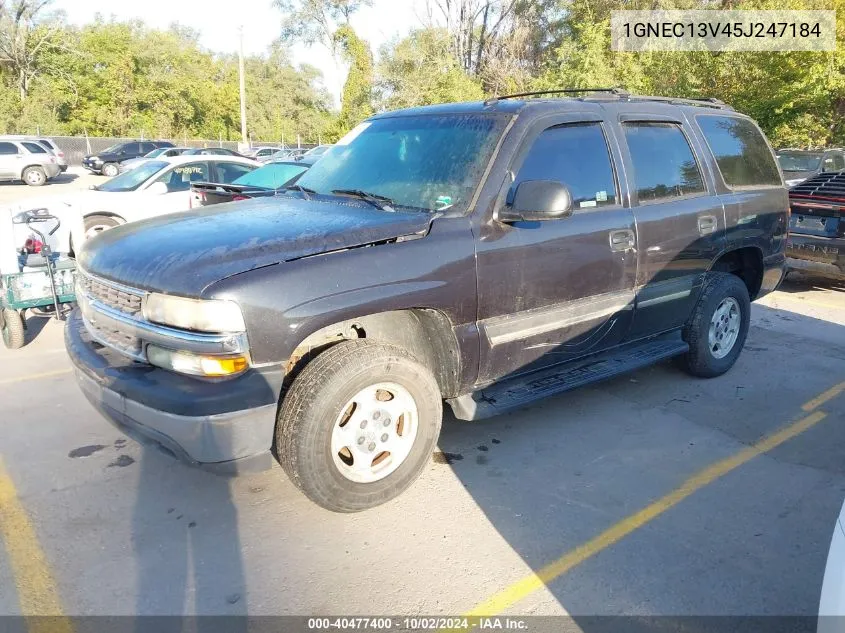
(523, 390)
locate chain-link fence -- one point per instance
(76, 147)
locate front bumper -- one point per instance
(820, 255)
(226, 426)
(92, 165)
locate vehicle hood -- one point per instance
(182, 253)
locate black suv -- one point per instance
(486, 254)
(108, 161)
(799, 164)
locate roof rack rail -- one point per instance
(536, 93)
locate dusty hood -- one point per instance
(182, 253)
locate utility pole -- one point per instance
(243, 85)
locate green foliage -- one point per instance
(421, 70)
(357, 97)
(123, 79)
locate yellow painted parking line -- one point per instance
(46, 374)
(819, 400)
(36, 589)
(528, 585)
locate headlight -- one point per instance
(94, 158)
(794, 181)
(195, 364)
(203, 315)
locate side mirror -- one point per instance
(157, 188)
(537, 200)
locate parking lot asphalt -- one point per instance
(651, 494)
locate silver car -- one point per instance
(48, 143)
(28, 161)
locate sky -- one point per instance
(218, 24)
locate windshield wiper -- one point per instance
(303, 190)
(382, 203)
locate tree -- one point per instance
(312, 21)
(357, 98)
(421, 69)
(27, 32)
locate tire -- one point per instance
(95, 224)
(310, 421)
(110, 170)
(706, 359)
(13, 329)
(34, 176)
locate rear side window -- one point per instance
(180, 177)
(229, 172)
(35, 148)
(664, 165)
(741, 151)
(7, 149)
(47, 143)
(577, 156)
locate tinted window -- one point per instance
(272, 176)
(35, 148)
(575, 155)
(664, 166)
(147, 147)
(740, 150)
(229, 172)
(180, 177)
(47, 143)
(8, 148)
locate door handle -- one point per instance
(707, 224)
(621, 241)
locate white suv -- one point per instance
(28, 161)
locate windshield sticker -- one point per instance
(601, 196)
(353, 133)
(588, 203)
(442, 203)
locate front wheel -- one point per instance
(718, 327)
(110, 170)
(358, 425)
(96, 224)
(12, 326)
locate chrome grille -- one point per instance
(116, 339)
(113, 296)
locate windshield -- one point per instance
(271, 176)
(134, 178)
(155, 152)
(799, 162)
(429, 162)
(111, 149)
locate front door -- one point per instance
(554, 290)
(9, 160)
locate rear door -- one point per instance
(680, 220)
(9, 160)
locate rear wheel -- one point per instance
(110, 170)
(34, 176)
(95, 224)
(358, 425)
(12, 326)
(718, 327)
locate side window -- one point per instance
(228, 172)
(576, 155)
(838, 162)
(8, 149)
(663, 162)
(827, 164)
(47, 144)
(146, 148)
(34, 148)
(180, 177)
(741, 151)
